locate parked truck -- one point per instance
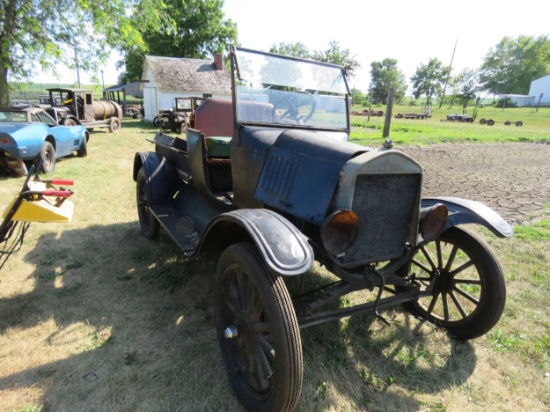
(84, 110)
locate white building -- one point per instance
(521, 100)
(541, 87)
(165, 78)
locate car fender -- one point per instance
(159, 173)
(463, 211)
(284, 248)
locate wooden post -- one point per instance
(370, 109)
(389, 107)
(540, 98)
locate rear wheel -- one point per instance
(69, 121)
(257, 331)
(469, 292)
(47, 157)
(149, 224)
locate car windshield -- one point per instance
(285, 90)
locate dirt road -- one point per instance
(512, 178)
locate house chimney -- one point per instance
(218, 62)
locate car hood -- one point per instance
(301, 172)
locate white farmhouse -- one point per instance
(541, 87)
(165, 78)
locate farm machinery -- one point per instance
(38, 201)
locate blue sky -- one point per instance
(410, 31)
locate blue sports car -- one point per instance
(29, 134)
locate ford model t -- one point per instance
(270, 180)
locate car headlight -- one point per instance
(433, 219)
(339, 231)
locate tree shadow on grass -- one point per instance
(377, 367)
(114, 322)
(119, 322)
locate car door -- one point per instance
(64, 138)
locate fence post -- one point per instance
(389, 107)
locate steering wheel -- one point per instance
(293, 111)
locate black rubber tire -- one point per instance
(83, 149)
(470, 293)
(490, 122)
(147, 221)
(157, 122)
(114, 125)
(483, 121)
(47, 156)
(264, 361)
(519, 123)
(68, 121)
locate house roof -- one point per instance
(187, 75)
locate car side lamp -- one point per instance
(339, 231)
(433, 220)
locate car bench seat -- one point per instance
(214, 118)
(209, 147)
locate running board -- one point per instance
(180, 228)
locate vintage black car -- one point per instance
(270, 180)
(180, 116)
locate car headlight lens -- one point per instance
(339, 231)
(433, 222)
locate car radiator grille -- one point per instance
(385, 205)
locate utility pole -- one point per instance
(77, 65)
(448, 75)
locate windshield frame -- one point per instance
(343, 96)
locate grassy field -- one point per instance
(536, 126)
(30, 92)
(94, 317)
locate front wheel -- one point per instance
(114, 125)
(147, 221)
(83, 149)
(257, 331)
(468, 290)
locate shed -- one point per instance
(541, 87)
(130, 89)
(520, 100)
(165, 78)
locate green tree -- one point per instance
(512, 64)
(429, 79)
(466, 85)
(385, 75)
(76, 33)
(291, 49)
(334, 54)
(191, 29)
(337, 55)
(357, 96)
